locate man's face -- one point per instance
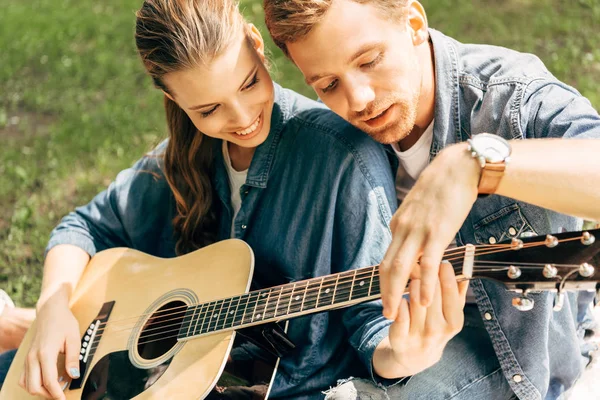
(364, 67)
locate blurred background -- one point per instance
(76, 106)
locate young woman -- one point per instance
(246, 159)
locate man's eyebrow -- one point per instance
(252, 71)
(361, 50)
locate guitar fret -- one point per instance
(352, 285)
(221, 321)
(192, 321)
(234, 321)
(206, 314)
(319, 292)
(265, 311)
(186, 320)
(291, 298)
(245, 308)
(282, 296)
(304, 297)
(337, 279)
(372, 277)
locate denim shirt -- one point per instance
(317, 200)
(491, 89)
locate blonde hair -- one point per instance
(290, 20)
(173, 35)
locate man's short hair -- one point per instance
(291, 20)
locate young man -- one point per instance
(377, 64)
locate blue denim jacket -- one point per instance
(317, 200)
(496, 90)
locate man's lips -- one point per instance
(382, 118)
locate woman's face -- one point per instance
(232, 97)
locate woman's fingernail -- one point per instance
(74, 372)
(445, 262)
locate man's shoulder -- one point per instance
(486, 64)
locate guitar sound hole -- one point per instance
(159, 335)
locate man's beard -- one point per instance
(399, 128)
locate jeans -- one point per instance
(5, 361)
(468, 370)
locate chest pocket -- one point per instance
(504, 224)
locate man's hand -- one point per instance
(418, 336)
(425, 224)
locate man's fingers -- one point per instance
(402, 265)
(384, 272)
(418, 313)
(452, 302)
(435, 320)
(430, 263)
(33, 379)
(401, 325)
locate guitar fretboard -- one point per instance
(282, 302)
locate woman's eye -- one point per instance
(209, 112)
(329, 87)
(253, 82)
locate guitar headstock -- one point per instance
(566, 261)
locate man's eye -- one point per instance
(373, 63)
(330, 87)
(209, 112)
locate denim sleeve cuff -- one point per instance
(74, 238)
(367, 351)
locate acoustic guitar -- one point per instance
(155, 328)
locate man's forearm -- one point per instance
(14, 323)
(558, 174)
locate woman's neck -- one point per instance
(241, 157)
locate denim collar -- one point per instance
(446, 129)
(264, 155)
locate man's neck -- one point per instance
(426, 104)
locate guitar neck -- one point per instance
(282, 302)
(538, 263)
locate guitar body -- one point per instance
(119, 365)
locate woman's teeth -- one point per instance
(250, 129)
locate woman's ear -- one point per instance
(257, 41)
(169, 96)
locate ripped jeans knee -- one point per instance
(356, 389)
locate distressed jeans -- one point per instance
(468, 370)
(5, 361)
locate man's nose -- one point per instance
(359, 96)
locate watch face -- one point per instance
(491, 147)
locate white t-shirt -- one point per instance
(412, 162)
(236, 181)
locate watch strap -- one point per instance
(491, 175)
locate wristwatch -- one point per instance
(5, 301)
(493, 153)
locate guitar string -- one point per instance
(288, 316)
(308, 301)
(256, 306)
(449, 251)
(286, 289)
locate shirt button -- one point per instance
(492, 240)
(512, 231)
(487, 316)
(517, 378)
(244, 226)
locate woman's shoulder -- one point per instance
(312, 123)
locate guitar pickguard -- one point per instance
(115, 378)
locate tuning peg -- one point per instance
(550, 271)
(523, 303)
(551, 241)
(516, 244)
(587, 238)
(559, 301)
(513, 272)
(586, 270)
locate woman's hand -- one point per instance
(57, 331)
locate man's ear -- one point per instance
(257, 41)
(416, 21)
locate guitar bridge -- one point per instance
(89, 342)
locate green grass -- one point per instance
(76, 106)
